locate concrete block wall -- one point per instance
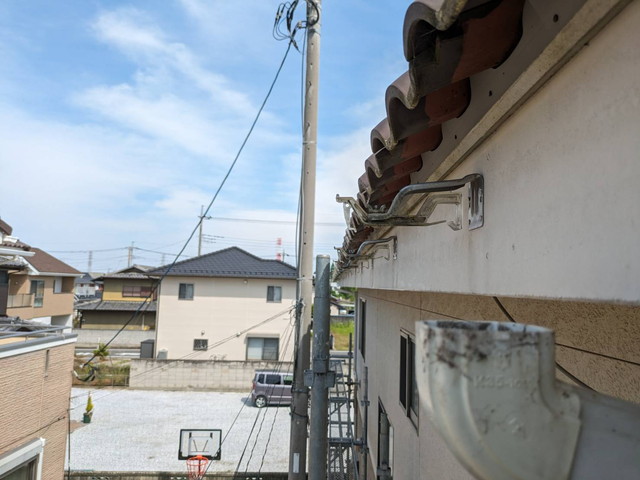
(35, 399)
(90, 337)
(222, 375)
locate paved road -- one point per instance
(138, 430)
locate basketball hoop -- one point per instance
(197, 467)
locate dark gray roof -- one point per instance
(230, 262)
(114, 306)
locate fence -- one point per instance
(223, 375)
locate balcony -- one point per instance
(20, 300)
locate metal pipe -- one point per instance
(319, 390)
(365, 427)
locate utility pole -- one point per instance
(300, 401)
(201, 217)
(321, 377)
(90, 261)
(130, 256)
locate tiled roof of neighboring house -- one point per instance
(444, 46)
(115, 306)
(17, 244)
(45, 263)
(230, 262)
(9, 263)
(132, 272)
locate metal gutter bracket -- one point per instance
(433, 198)
(380, 243)
(490, 390)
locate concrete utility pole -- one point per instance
(130, 256)
(299, 406)
(202, 218)
(322, 378)
(90, 261)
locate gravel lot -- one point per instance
(138, 430)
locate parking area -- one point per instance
(138, 430)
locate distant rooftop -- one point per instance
(230, 262)
(132, 272)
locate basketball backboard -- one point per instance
(200, 441)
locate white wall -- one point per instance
(221, 308)
(561, 179)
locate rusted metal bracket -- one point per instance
(434, 197)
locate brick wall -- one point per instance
(35, 402)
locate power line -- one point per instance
(215, 196)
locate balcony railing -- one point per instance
(20, 300)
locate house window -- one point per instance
(385, 445)
(185, 291)
(57, 285)
(200, 343)
(24, 463)
(362, 335)
(136, 291)
(37, 290)
(408, 386)
(262, 348)
(274, 294)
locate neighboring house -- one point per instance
(87, 288)
(38, 287)
(122, 294)
(35, 380)
(227, 305)
(540, 98)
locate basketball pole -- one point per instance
(300, 400)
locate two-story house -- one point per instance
(502, 186)
(36, 285)
(227, 305)
(123, 292)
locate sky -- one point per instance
(119, 120)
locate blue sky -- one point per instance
(119, 119)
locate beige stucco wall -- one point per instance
(561, 184)
(53, 304)
(35, 403)
(222, 307)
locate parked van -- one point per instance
(271, 388)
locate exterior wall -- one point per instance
(221, 308)
(53, 304)
(560, 176)
(35, 403)
(101, 319)
(198, 374)
(89, 337)
(113, 288)
(586, 331)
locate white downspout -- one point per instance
(489, 388)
